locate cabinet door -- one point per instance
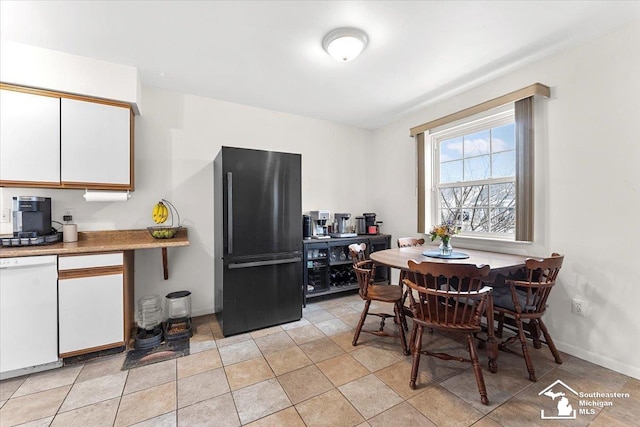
(29, 138)
(28, 313)
(96, 145)
(91, 314)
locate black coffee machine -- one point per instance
(31, 216)
(307, 228)
(370, 223)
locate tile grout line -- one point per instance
(530, 386)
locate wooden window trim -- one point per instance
(526, 92)
(523, 105)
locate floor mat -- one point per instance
(165, 351)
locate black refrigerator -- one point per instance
(258, 238)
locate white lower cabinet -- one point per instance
(91, 303)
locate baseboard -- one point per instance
(202, 312)
(598, 359)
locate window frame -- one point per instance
(481, 122)
(525, 107)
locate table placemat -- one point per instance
(437, 254)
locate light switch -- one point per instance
(5, 216)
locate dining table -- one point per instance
(501, 264)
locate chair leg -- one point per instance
(500, 325)
(405, 294)
(417, 348)
(404, 316)
(412, 338)
(534, 331)
(477, 370)
(363, 316)
(399, 312)
(550, 343)
(525, 350)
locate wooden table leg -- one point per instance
(492, 344)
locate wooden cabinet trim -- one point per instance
(55, 94)
(132, 174)
(30, 184)
(90, 272)
(128, 297)
(30, 90)
(92, 349)
(94, 186)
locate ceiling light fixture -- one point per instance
(345, 44)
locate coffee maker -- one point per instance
(320, 219)
(370, 223)
(31, 216)
(307, 229)
(341, 226)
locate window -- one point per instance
(474, 175)
(475, 167)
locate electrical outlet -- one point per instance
(68, 213)
(578, 306)
(5, 215)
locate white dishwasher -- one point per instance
(28, 315)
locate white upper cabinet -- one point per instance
(29, 139)
(55, 140)
(96, 144)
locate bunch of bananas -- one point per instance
(160, 213)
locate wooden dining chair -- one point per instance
(525, 300)
(382, 293)
(448, 298)
(407, 242)
(404, 242)
(358, 252)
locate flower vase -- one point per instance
(445, 247)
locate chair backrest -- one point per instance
(448, 295)
(358, 252)
(405, 242)
(365, 271)
(530, 295)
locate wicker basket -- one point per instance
(163, 231)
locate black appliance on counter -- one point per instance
(31, 216)
(31, 222)
(307, 228)
(258, 238)
(370, 223)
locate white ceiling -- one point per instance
(268, 54)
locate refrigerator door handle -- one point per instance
(229, 212)
(263, 263)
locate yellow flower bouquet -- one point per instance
(444, 231)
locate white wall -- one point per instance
(177, 138)
(587, 189)
(26, 65)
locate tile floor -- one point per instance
(306, 373)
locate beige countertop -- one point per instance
(100, 241)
